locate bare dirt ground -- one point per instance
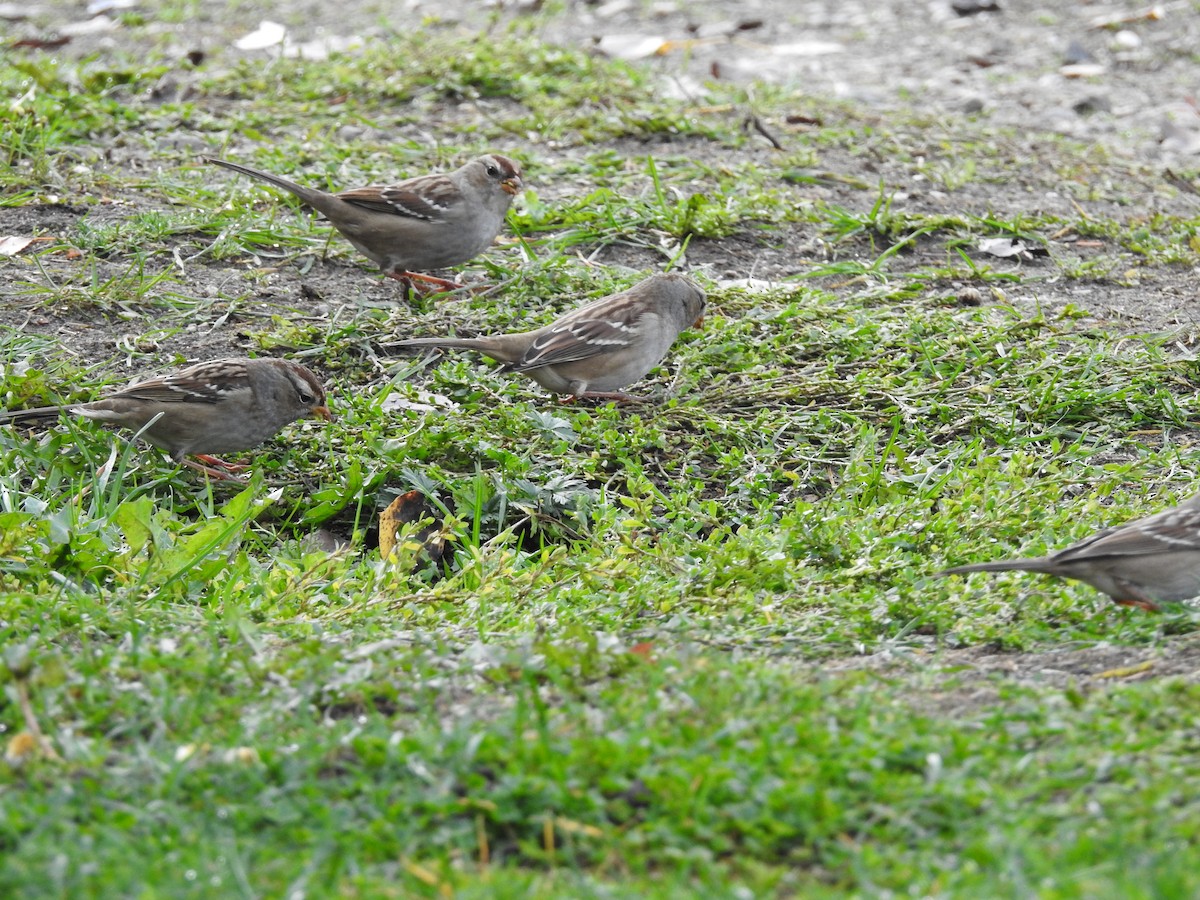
(1036, 68)
(949, 681)
(1127, 90)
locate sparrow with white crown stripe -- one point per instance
(600, 348)
(427, 222)
(219, 406)
(1142, 563)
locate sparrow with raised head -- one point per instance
(599, 349)
(220, 406)
(427, 222)
(1142, 563)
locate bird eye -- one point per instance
(306, 398)
(493, 172)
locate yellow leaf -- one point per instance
(1128, 670)
(21, 747)
(570, 826)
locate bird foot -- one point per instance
(219, 463)
(1140, 604)
(217, 474)
(614, 396)
(427, 285)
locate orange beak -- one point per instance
(699, 322)
(322, 412)
(511, 185)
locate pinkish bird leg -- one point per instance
(1140, 604)
(426, 285)
(218, 463)
(614, 396)
(215, 474)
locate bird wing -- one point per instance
(573, 341)
(418, 198)
(209, 382)
(1169, 531)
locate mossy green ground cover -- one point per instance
(690, 645)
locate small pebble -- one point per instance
(969, 296)
(1126, 40)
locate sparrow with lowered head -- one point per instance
(220, 406)
(599, 349)
(1142, 563)
(427, 222)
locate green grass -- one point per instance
(688, 646)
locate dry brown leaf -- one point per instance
(14, 244)
(405, 510)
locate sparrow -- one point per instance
(596, 350)
(427, 222)
(220, 406)
(1142, 563)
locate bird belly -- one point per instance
(1170, 577)
(435, 247)
(613, 378)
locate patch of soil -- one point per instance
(997, 76)
(964, 682)
(1013, 70)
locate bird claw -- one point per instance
(427, 285)
(218, 463)
(214, 474)
(217, 469)
(614, 396)
(1147, 605)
